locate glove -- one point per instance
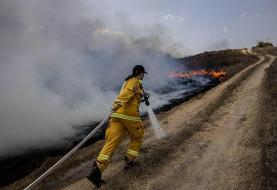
(145, 98)
(146, 95)
(115, 106)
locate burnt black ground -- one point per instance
(18, 167)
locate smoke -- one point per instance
(221, 44)
(62, 63)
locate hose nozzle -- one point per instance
(146, 98)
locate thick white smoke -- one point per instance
(62, 62)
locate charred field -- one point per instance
(231, 61)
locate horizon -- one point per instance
(201, 26)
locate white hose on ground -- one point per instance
(67, 155)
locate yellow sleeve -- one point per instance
(128, 90)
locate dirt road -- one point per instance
(212, 142)
(226, 154)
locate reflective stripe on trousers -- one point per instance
(103, 157)
(133, 153)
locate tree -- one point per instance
(262, 44)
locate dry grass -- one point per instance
(268, 123)
(226, 93)
(267, 50)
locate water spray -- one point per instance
(153, 119)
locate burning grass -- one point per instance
(230, 61)
(211, 73)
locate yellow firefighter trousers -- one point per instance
(113, 136)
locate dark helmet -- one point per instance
(138, 69)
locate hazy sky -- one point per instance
(203, 25)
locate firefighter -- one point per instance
(124, 117)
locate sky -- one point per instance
(203, 25)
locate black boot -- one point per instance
(95, 176)
(130, 164)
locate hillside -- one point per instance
(221, 146)
(230, 60)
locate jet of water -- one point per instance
(154, 123)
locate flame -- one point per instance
(214, 74)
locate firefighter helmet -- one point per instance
(138, 69)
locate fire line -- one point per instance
(214, 74)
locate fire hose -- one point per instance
(68, 154)
(40, 178)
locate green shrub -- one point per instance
(261, 44)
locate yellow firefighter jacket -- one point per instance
(129, 98)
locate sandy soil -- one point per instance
(212, 142)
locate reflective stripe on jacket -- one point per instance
(129, 98)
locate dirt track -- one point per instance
(226, 154)
(216, 148)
